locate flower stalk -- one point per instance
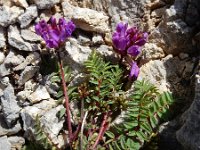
(68, 115)
(103, 128)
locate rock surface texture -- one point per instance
(169, 60)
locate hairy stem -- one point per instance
(68, 116)
(102, 129)
(82, 128)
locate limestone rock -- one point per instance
(30, 35)
(97, 39)
(15, 40)
(45, 4)
(77, 54)
(4, 143)
(9, 15)
(16, 142)
(53, 125)
(9, 105)
(29, 114)
(39, 94)
(21, 3)
(4, 81)
(189, 134)
(5, 130)
(32, 58)
(86, 19)
(27, 74)
(13, 59)
(2, 57)
(26, 18)
(2, 38)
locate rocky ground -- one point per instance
(170, 60)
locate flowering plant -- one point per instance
(54, 34)
(129, 42)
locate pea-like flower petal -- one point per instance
(134, 71)
(54, 33)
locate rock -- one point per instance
(16, 142)
(4, 81)
(4, 70)
(86, 19)
(2, 38)
(29, 88)
(45, 4)
(169, 74)
(196, 40)
(53, 125)
(6, 3)
(152, 51)
(26, 18)
(9, 15)
(77, 54)
(189, 134)
(9, 104)
(15, 40)
(108, 53)
(29, 114)
(97, 39)
(5, 130)
(83, 39)
(4, 143)
(27, 74)
(2, 57)
(32, 58)
(39, 94)
(30, 35)
(13, 59)
(21, 3)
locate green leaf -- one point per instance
(110, 134)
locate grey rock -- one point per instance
(2, 57)
(97, 39)
(4, 143)
(13, 59)
(83, 39)
(32, 58)
(5, 130)
(86, 19)
(189, 134)
(9, 104)
(16, 142)
(39, 94)
(29, 88)
(27, 74)
(30, 35)
(26, 18)
(21, 3)
(29, 114)
(53, 125)
(4, 70)
(77, 54)
(2, 38)
(4, 81)
(45, 4)
(15, 40)
(9, 15)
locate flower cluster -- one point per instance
(129, 41)
(54, 33)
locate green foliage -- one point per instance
(102, 94)
(144, 110)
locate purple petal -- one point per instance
(121, 27)
(52, 43)
(142, 40)
(134, 72)
(119, 42)
(134, 50)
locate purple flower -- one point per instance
(128, 40)
(134, 71)
(54, 33)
